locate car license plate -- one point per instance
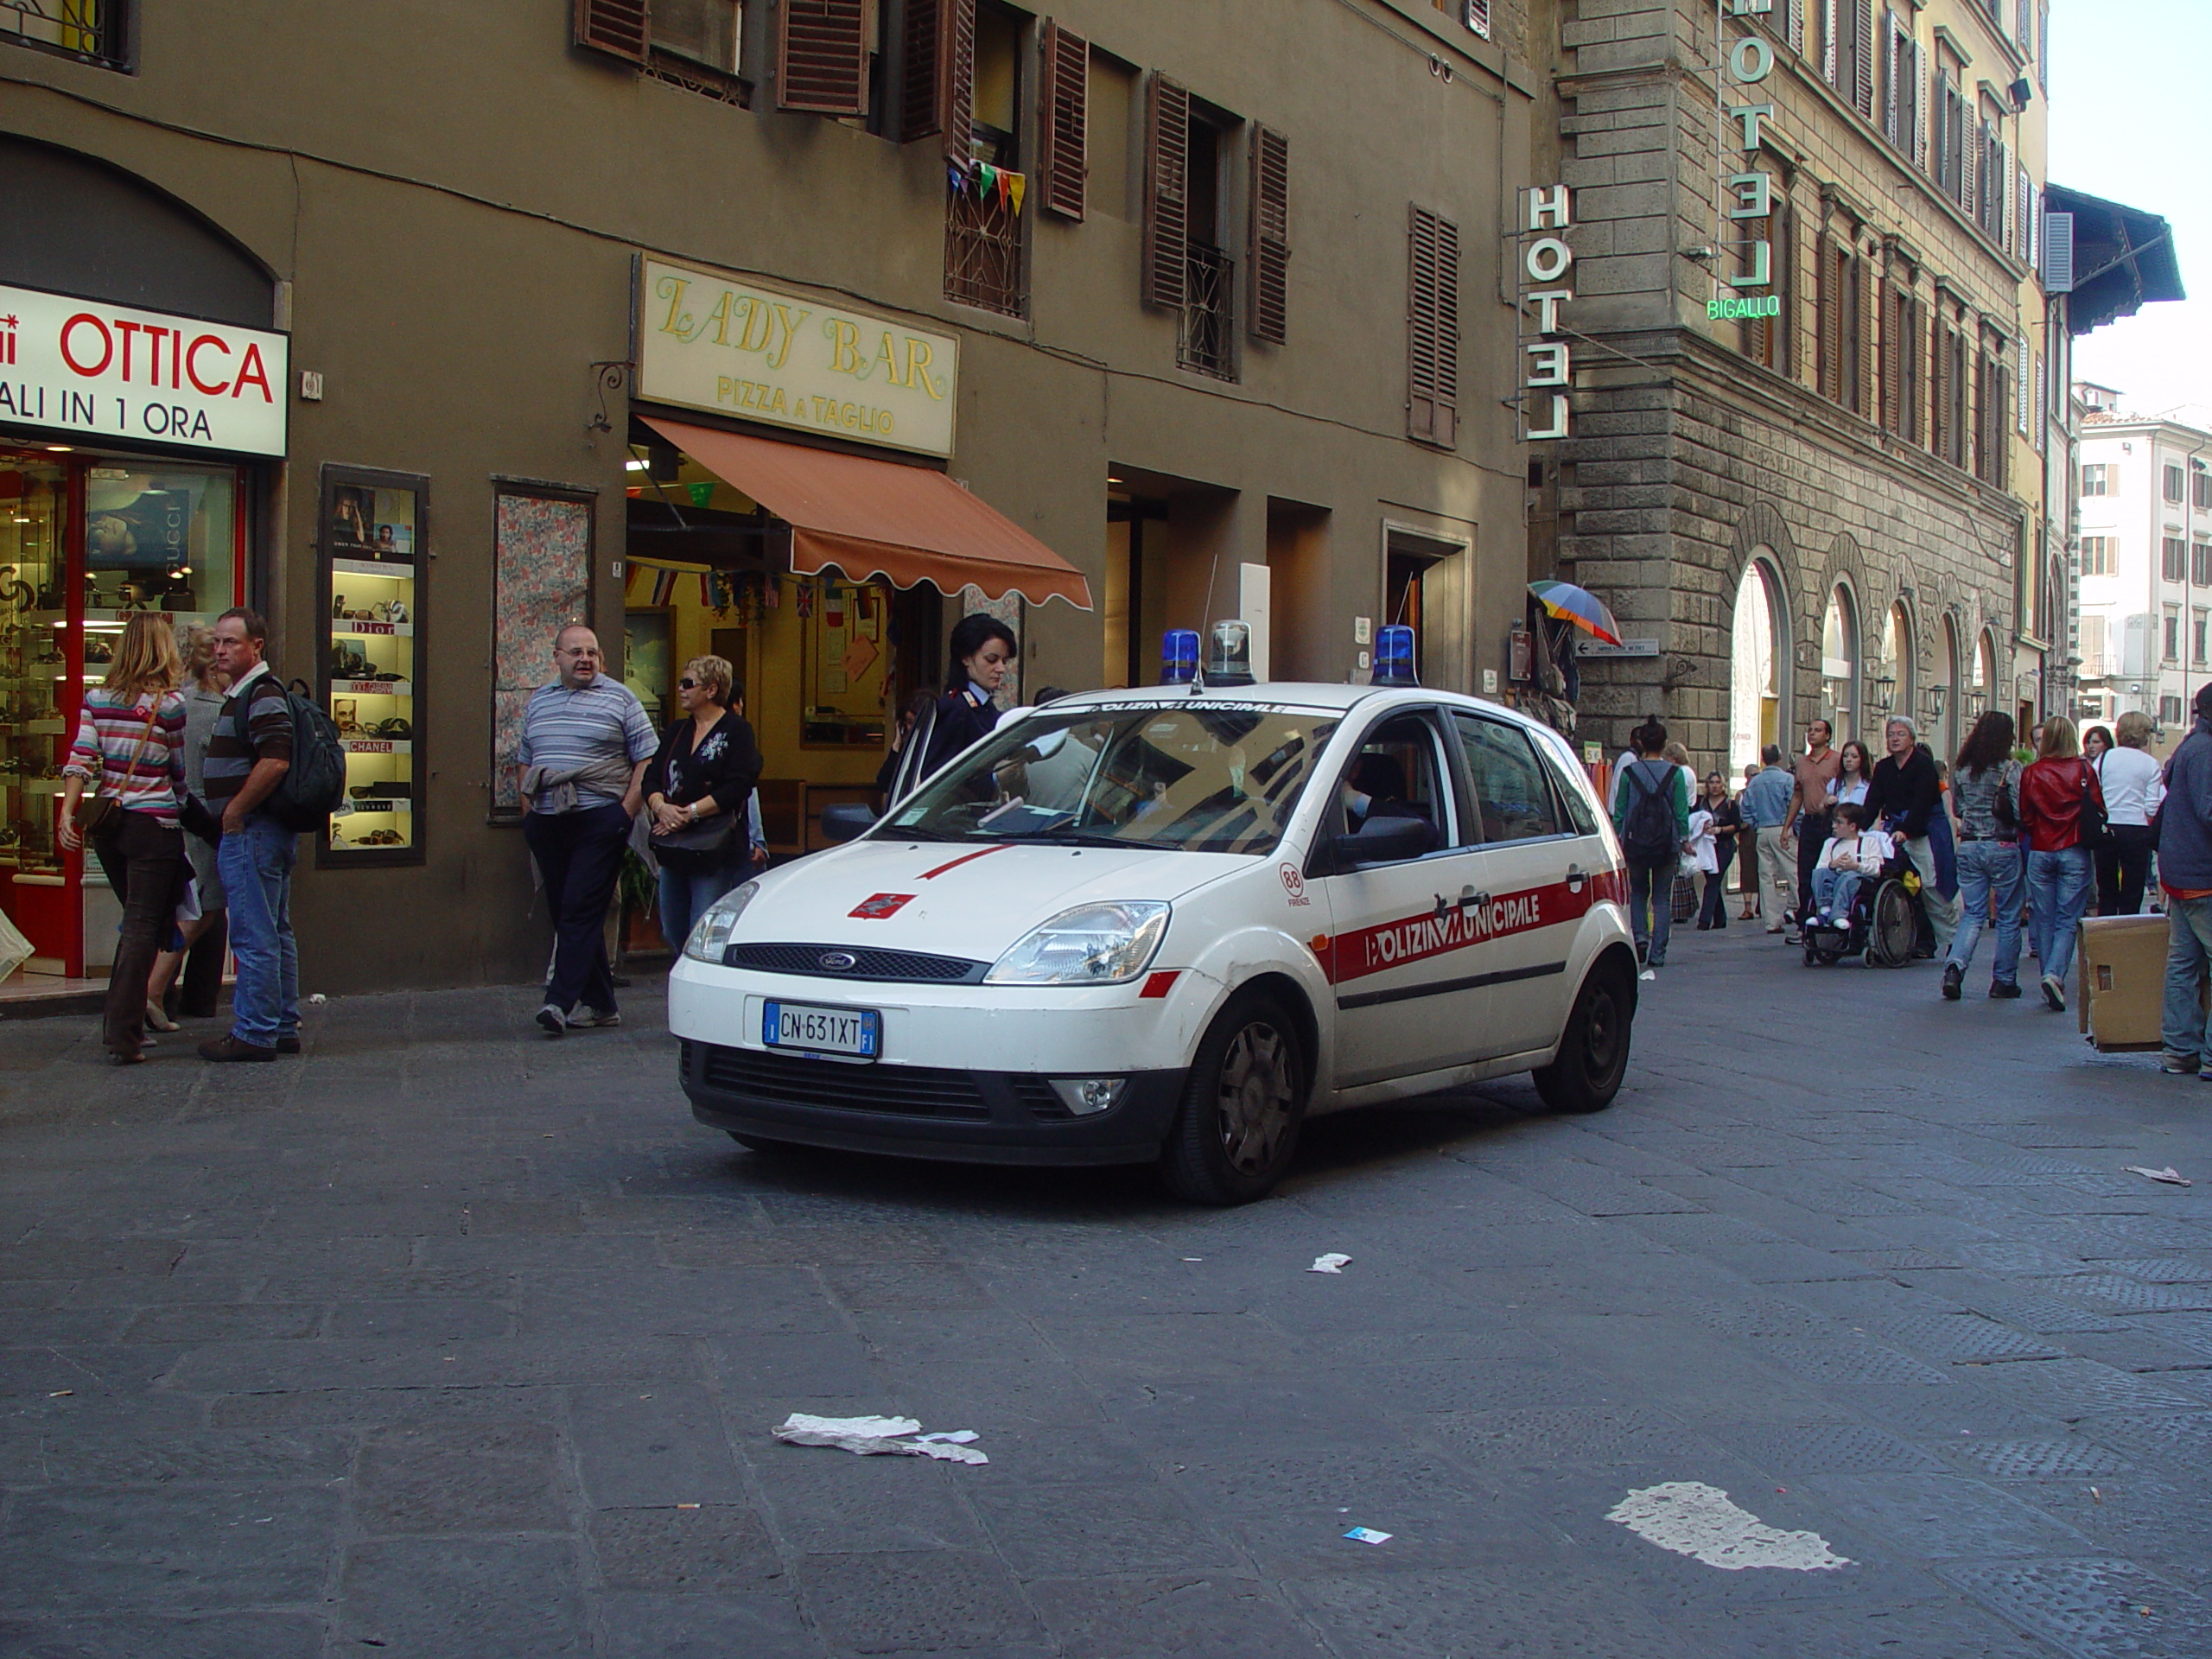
(857, 1033)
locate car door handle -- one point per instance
(1470, 899)
(1576, 875)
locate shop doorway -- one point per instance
(1757, 661)
(1425, 588)
(86, 540)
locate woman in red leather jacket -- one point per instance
(2060, 872)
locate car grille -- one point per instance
(1039, 1100)
(868, 964)
(910, 1091)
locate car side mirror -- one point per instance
(847, 821)
(1383, 840)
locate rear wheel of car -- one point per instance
(1233, 1138)
(1594, 1054)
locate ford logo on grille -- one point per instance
(837, 962)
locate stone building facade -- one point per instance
(1813, 382)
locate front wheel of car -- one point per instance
(1234, 1136)
(1594, 1054)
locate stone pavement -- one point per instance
(447, 1340)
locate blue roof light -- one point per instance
(1178, 656)
(1394, 657)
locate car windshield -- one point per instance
(1204, 776)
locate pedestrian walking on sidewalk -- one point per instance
(697, 789)
(1652, 815)
(247, 757)
(585, 745)
(205, 940)
(1765, 806)
(1727, 822)
(1985, 795)
(2184, 829)
(130, 749)
(2056, 793)
(1906, 797)
(2129, 776)
(1806, 820)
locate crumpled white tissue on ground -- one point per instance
(1695, 1520)
(1333, 1262)
(873, 1437)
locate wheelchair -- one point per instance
(1883, 927)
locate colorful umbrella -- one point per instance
(1568, 603)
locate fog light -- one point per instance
(1083, 1095)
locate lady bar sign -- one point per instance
(94, 369)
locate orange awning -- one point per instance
(877, 519)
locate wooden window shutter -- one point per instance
(1862, 64)
(1433, 329)
(1794, 23)
(1064, 121)
(1919, 107)
(1912, 428)
(1937, 424)
(1829, 297)
(621, 27)
(1892, 310)
(822, 57)
(1166, 192)
(1831, 59)
(938, 90)
(1892, 105)
(1786, 350)
(1269, 255)
(1478, 15)
(1859, 365)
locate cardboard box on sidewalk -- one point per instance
(2123, 964)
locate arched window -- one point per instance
(1899, 678)
(1984, 674)
(1839, 662)
(1757, 663)
(1943, 697)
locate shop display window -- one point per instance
(373, 557)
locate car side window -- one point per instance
(1567, 785)
(1398, 772)
(1513, 799)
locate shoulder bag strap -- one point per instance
(137, 753)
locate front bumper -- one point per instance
(919, 1111)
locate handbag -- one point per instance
(697, 846)
(2096, 829)
(95, 810)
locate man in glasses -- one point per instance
(585, 743)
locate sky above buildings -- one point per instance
(2126, 123)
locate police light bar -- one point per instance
(1178, 656)
(1394, 657)
(1229, 658)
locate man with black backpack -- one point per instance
(248, 757)
(1651, 813)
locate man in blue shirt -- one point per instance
(1765, 804)
(585, 743)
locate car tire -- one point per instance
(1593, 1053)
(1237, 1128)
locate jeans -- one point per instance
(256, 868)
(1989, 869)
(1651, 889)
(1714, 913)
(1813, 831)
(1835, 891)
(2058, 892)
(580, 855)
(2123, 867)
(685, 894)
(1775, 873)
(142, 862)
(2183, 1028)
(1942, 913)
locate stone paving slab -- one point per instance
(444, 1339)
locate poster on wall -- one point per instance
(847, 671)
(541, 580)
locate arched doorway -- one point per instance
(1983, 687)
(1899, 677)
(1757, 663)
(1839, 662)
(1943, 699)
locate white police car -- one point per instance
(1169, 924)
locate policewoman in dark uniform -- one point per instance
(982, 650)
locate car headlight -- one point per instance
(1091, 944)
(710, 933)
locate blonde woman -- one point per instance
(204, 689)
(695, 791)
(130, 748)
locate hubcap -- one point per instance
(1254, 1096)
(1603, 1031)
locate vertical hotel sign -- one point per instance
(91, 370)
(1546, 364)
(1748, 194)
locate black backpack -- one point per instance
(1648, 832)
(314, 784)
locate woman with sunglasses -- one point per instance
(696, 788)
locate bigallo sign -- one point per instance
(711, 342)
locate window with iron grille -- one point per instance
(1206, 337)
(91, 31)
(2173, 559)
(982, 222)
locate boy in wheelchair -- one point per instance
(1850, 869)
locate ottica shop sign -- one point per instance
(93, 370)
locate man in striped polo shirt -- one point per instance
(247, 757)
(585, 743)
